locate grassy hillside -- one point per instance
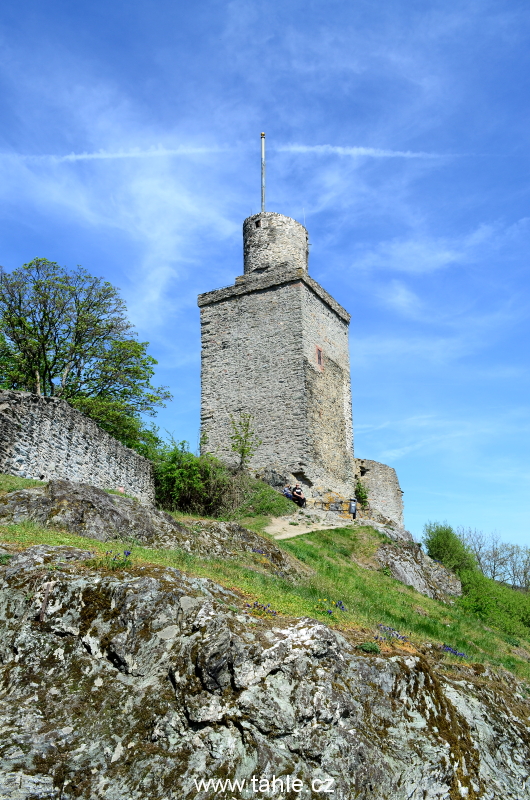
(367, 605)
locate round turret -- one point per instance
(272, 241)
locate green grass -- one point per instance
(370, 597)
(262, 500)
(120, 494)
(379, 599)
(10, 483)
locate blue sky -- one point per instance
(130, 144)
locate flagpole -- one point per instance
(262, 173)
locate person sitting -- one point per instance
(298, 497)
(287, 492)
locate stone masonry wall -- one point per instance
(329, 414)
(259, 355)
(252, 362)
(272, 241)
(384, 491)
(45, 438)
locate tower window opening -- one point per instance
(319, 356)
(258, 223)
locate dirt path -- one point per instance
(282, 528)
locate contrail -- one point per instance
(153, 153)
(109, 155)
(373, 152)
(185, 150)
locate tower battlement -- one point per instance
(273, 242)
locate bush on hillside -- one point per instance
(190, 483)
(496, 604)
(443, 544)
(203, 485)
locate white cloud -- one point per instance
(417, 254)
(455, 435)
(400, 298)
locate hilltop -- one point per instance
(137, 664)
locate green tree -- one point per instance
(443, 544)
(66, 334)
(361, 494)
(244, 440)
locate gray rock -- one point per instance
(139, 685)
(18, 786)
(94, 513)
(410, 565)
(87, 511)
(390, 529)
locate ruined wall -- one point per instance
(45, 438)
(384, 491)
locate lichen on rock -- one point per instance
(139, 684)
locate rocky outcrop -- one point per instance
(143, 683)
(87, 511)
(409, 564)
(91, 512)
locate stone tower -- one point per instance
(276, 345)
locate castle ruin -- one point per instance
(275, 345)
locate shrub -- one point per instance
(190, 483)
(203, 485)
(443, 544)
(244, 440)
(496, 604)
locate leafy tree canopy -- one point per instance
(443, 544)
(66, 334)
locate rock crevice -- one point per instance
(141, 684)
